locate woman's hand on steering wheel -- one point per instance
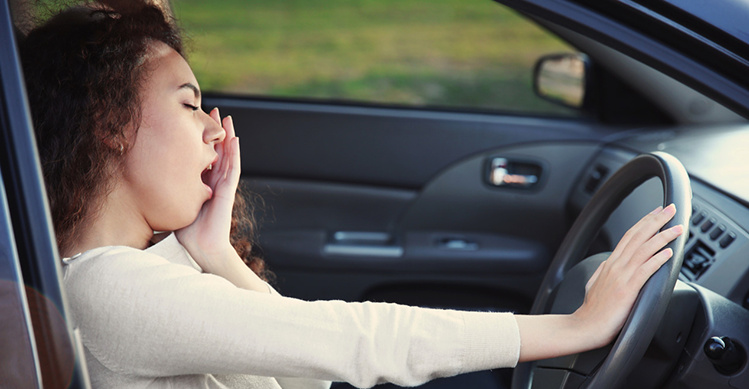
(613, 288)
(610, 294)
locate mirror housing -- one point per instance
(563, 79)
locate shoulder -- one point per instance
(110, 280)
(108, 265)
(114, 265)
(123, 298)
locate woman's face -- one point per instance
(173, 147)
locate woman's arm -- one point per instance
(612, 290)
(141, 315)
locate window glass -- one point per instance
(449, 53)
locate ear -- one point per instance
(118, 143)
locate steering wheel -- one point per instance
(563, 287)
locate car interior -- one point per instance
(464, 209)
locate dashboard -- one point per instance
(718, 242)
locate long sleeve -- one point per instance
(140, 314)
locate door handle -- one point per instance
(363, 244)
(506, 173)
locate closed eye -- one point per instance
(194, 108)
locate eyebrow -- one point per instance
(194, 88)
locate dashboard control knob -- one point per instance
(725, 355)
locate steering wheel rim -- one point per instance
(653, 299)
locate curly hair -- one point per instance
(84, 72)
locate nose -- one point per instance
(213, 132)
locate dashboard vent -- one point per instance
(697, 260)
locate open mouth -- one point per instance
(206, 174)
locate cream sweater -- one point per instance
(151, 318)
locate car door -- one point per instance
(41, 347)
(385, 201)
(375, 198)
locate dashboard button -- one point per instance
(699, 218)
(727, 240)
(707, 225)
(717, 232)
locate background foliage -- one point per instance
(455, 53)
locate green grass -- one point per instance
(471, 53)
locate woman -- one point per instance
(127, 150)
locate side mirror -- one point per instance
(562, 79)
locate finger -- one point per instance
(648, 268)
(640, 223)
(650, 226)
(216, 174)
(647, 230)
(222, 150)
(235, 170)
(628, 235)
(223, 155)
(657, 242)
(229, 126)
(228, 186)
(215, 115)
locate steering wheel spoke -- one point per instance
(544, 378)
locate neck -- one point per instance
(118, 223)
